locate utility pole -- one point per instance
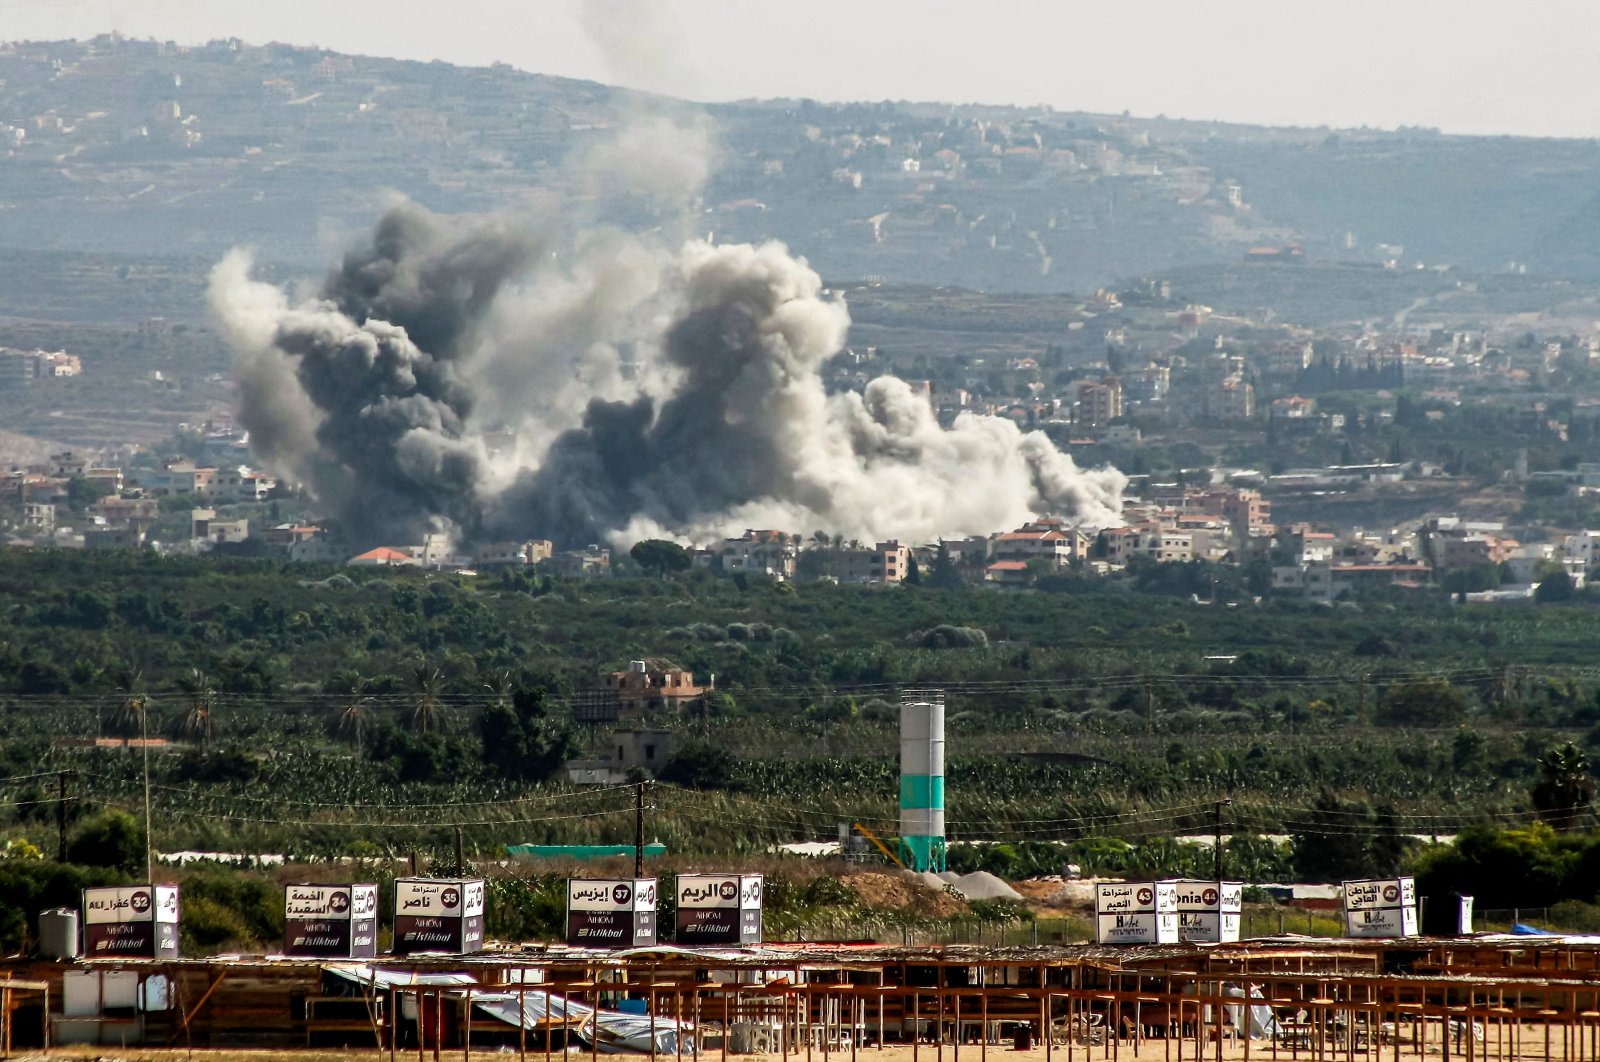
(460, 860)
(1217, 850)
(638, 829)
(144, 741)
(61, 816)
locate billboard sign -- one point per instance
(1389, 892)
(1383, 908)
(438, 914)
(1209, 911)
(331, 921)
(1136, 897)
(1136, 912)
(611, 912)
(719, 908)
(135, 921)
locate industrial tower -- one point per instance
(922, 844)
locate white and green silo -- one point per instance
(922, 779)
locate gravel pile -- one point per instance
(982, 885)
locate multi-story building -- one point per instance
(1051, 541)
(140, 513)
(1151, 384)
(768, 553)
(319, 548)
(886, 562)
(227, 532)
(1306, 544)
(1166, 545)
(650, 686)
(1232, 398)
(1469, 551)
(181, 477)
(1245, 512)
(1098, 401)
(283, 536)
(107, 538)
(1210, 536)
(240, 483)
(19, 368)
(1288, 361)
(39, 517)
(1324, 581)
(1584, 547)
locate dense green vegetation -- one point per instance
(320, 711)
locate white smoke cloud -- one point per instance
(655, 159)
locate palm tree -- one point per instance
(500, 687)
(356, 708)
(1565, 788)
(426, 707)
(201, 695)
(126, 717)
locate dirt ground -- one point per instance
(1057, 898)
(900, 893)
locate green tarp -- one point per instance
(581, 851)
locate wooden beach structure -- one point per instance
(1476, 999)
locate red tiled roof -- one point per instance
(384, 554)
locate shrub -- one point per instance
(946, 636)
(112, 839)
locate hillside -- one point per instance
(133, 147)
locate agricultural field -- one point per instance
(397, 718)
(318, 712)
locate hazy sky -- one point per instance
(1470, 66)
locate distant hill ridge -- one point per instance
(134, 147)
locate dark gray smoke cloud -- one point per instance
(450, 376)
(359, 394)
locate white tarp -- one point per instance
(609, 1031)
(1263, 1025)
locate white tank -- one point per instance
(58, 933)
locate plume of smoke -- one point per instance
(749, 437)
(359, 393)
(642, 44)
(655, 159)
(698, 374)
(552, 375)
